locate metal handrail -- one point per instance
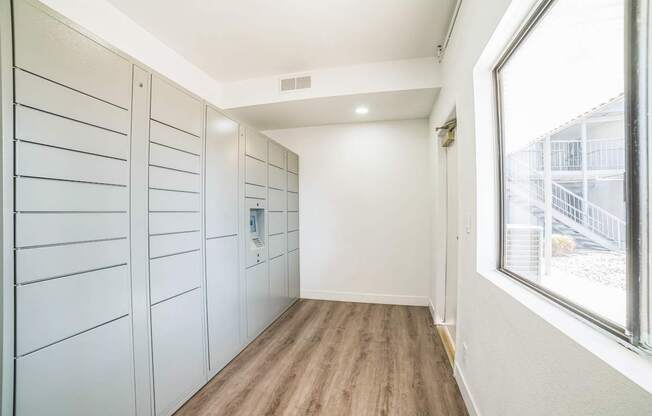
(566, 154)
(605, 154)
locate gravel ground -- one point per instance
(607, 268)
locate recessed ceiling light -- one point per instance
(361, 110)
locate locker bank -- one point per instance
(371, 207)
(153, 234)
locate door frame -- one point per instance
(441, 221)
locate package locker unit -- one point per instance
(271, 275)
(130, 279)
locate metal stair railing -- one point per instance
(566, 155)
(568, 203)
(605, 154)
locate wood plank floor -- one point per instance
(337, 358)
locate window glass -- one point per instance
(563, 156)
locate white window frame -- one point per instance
(636, 104)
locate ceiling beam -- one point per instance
(409, 74)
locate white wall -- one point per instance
(518, 363)
(364, 210)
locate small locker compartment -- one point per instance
(39, 229)
(172, 275)
(50, 162)
(43, 195)
(88, 374)
(255, 171)
(278, 284)
(170, 201)
(258, 304)
(276, 245)
(167, 244)
(177, 349)
(255, 191)
(174, 107)
(49, 129)
(44, 46)
(293, 274)
(173, 159)
(173, 180)
(293, 240)
(44, 95)
(293, 162)
(293, 182)
(276, 223)
(52, 310)
(293, 221)
(223, 298)
(256, 145)
(276, 178)
(293, 201)
(168, 136)
(276, 200)
(276, 155)
(173, 222)
(41, 263)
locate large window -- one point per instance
(565, 143)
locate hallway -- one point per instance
(337, 358)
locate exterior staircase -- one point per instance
(592, 227)
(582, 242)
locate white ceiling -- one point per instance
(393, 105)
(243, 39)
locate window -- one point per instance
(564, 144)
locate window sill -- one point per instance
(630, 361)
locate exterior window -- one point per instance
(561, 111)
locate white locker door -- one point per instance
(44, 46)
(293, 273)
(221, 175)
(276, 155)
(258, 299)
(223, 298)
(89, 374)
(293, 162)
(255, 172)
(278, 284)
(177, 349)
(256, 145)
(164, 273)
(175, 108)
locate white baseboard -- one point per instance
(464, 390)
(431, 307)
(365, 297)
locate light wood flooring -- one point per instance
(337, 358)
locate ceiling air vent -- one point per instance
(296, 83)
